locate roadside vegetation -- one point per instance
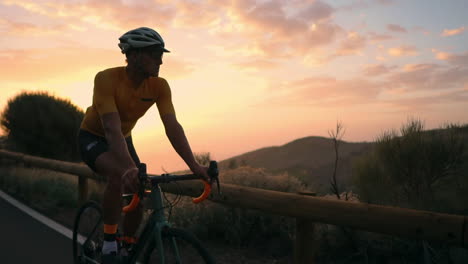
(417, 169)
(41, 124)
(410, 168)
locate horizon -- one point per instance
(263, 72)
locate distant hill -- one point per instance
(311, 159)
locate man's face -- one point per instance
(151, 61)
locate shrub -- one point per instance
(40, 124)
(408, 169)
(203, 158)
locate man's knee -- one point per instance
(109, 167)
(114, 181)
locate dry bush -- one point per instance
(270, 234)
(43, 189)
(40, 188)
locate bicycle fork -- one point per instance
(160, 224)
(160, 245)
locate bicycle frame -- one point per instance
(156, 223)
(153, 228)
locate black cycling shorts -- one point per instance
(91, 146)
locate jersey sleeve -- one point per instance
(103, 95)
(164, 99)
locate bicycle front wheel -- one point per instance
(88, 234)
(179, 247)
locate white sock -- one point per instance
(109, 246)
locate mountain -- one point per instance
(311, 159)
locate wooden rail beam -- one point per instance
(409, 223)
(56, 165)
(424, 225)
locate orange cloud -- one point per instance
(426, 101)
(324, 91)
(195, 14)
(456, 59)
(403, 51)
(413, 83)
(353, 44)
(268, 26)
(459, 59)
(396, 28)
(443, 55)
(297, 26)
(44, 64)
(29, 29)
(377, 70)
(176, 68)
(452, 32)
(422, 30)
(36, 65)
(419, 67)
(103, 14)
(256, 65)
(375, 37)
(428, 77)
(359, 5)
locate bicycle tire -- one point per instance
(88, 229)
(190, 249)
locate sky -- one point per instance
(247, 74)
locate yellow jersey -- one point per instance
(114, 92)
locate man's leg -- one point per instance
(108, 166)
(94, 151)
(132, 219)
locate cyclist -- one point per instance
(121, 96)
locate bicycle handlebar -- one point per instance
(212, 172)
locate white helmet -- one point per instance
(140, 38)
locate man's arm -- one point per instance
(104, 100)
(175, 134)
(117, 145)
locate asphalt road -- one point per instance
(26, 240)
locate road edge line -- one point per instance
(38, 216)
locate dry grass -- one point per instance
(51, 193)
(243, 229)
(234, 236)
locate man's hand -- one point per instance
(201, 171)
(130, 181)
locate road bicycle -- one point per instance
(157, 242)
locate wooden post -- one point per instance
(305, 244)
(82, 190)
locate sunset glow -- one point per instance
(247, 74)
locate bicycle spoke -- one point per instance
(88, 234)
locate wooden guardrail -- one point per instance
(416, 224)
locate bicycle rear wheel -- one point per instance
(88, 234)
(179, 247)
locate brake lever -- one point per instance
(142, 176)
(214, 174)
